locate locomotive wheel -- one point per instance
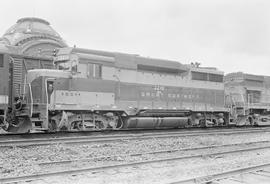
(80, 126)
(116, 125)
(202, 123)
(76, 125)
(3, 125)
(22, 124)
(249, 121)
(1, 120)
(244, 121)
(52, 126)
(100, 125)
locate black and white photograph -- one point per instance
(135, 92)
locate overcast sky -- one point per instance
(232, 35)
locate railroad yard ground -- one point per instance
(135, 160)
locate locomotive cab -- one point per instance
(39, 89)
(57, 104)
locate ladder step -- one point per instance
(37, 119)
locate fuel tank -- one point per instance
(156, 122)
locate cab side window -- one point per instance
(90, 70)
(94, 71)
(98, 71)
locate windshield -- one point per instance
(67, 65)
(63, 65)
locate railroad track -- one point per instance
(122, 137)
(119, 132)
(263, 171)
(205, 179)
(161, 152)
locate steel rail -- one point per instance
(87, 169)
(210, 178)
(122, 137)
(151, 153)
(125, 132)
(122, 132)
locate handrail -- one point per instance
(24, 87)
(31, 100)
(259, 104)
(47, 100)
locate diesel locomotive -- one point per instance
(97, 90)
(47, 86)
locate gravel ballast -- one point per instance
(24, 160)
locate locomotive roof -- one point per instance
(249, 81)
(128, 61)
(244, 76)
(210, 70)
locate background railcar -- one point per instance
(4, 83)
(249, 98)
(29, 44)
(13, 69)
